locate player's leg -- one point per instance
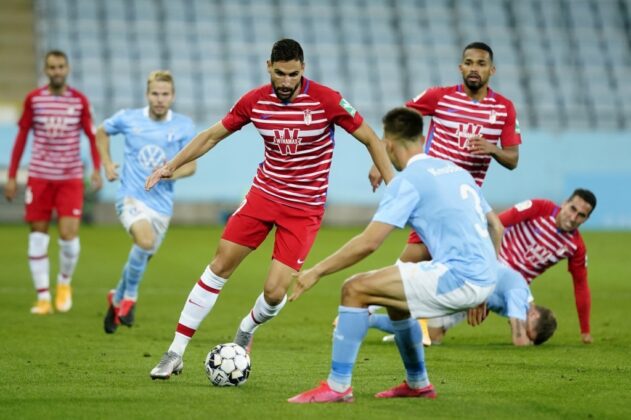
(381, 287)
(296, 231)
(143, 248)
(69, 203)
(198, 305)
(439, 326)
(268, 304)
(243, 233)
(38, 211)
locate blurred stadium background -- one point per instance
(564, 63)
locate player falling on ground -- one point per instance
(511, 298)
(296, 118)
(152, 135)
(540, 233)
(471, 125)
(56, 113)
(442, 202)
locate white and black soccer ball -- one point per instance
(227, 365)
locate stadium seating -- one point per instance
(563, 67)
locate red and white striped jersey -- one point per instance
(456, 118)
(56, 121)
(299, 139)
(532, 243)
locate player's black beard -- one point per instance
(473, 87)
(288, 96)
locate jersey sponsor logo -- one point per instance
(537, 254)
(54, 126)
(287, 140)
(151, 157)
(348, 107)
(466, 132)
(307, 116)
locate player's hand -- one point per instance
(96, 181)
(586, 338)
(10, 189)
(163, 172)
(304, 281)
(476, 315)
(111, 171)
(375, 178)
(478, 146)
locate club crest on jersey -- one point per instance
(287, 140)
(493, 117)
(466, 132)
(307, 113)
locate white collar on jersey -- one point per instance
(145, 112)
(414, 158)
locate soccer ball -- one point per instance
(227, 365)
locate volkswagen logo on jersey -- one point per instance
(287, 140)
(151, 157)
(466, 132)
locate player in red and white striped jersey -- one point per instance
(296, 118)
(471, 125)
(56, 113)
(540, 233)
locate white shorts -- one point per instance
(131, 210)
(432, 290)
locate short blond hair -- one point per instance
(160, 76)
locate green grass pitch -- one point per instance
(65, 366)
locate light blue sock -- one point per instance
(132, 274)
(381, 322)
(351, 329)
(409, 339)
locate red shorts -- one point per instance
(414, 238)
(42, 196)
(296, 229)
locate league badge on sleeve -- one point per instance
(348, 107)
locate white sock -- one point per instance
(38, 263)
(68, 257)
(260, 314)
(198, 304)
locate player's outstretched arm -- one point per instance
(185, 170)
(352, 252)
(377, 151)
(103, 144)
(201, 144)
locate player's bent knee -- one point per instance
(353, 291)
(146, 244)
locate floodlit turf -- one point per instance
(65, 366)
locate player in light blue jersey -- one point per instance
(443, 204)
(511, 298)
(153, 135)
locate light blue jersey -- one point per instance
(148, 144)
(443, 204)
(511, 297)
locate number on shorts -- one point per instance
(467, 191)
